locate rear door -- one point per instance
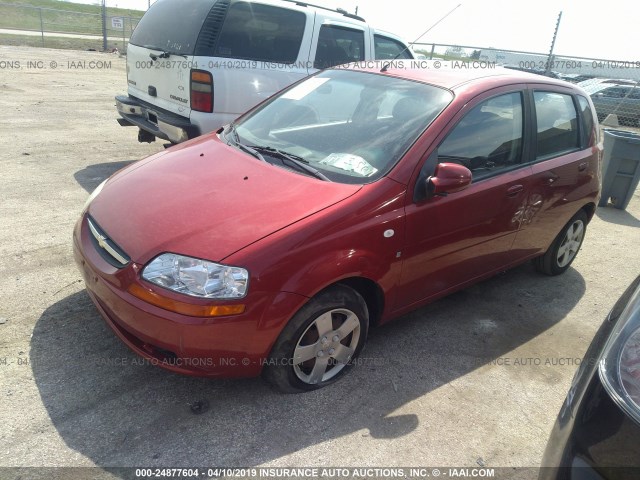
(160, 53)
(565, 167)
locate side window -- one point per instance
(488, 138)
(388, 49)
(557, 124)
(338, 45)
(261, 32)
(587, 120)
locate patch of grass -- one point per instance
(63, 17)
(57, 42)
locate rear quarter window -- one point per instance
(589, 137)
(261, 32)
(389, 49)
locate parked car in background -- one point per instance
(613, 81)
(195, 65)
(537, 71)
(621, 99)
(575, 77)
(346, 200)
(597, 433)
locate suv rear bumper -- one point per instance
(158, 122)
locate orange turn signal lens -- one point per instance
(181, 307)
(204, 77)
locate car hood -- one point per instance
(207, 200)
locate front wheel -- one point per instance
(319, 343)
(565, 247)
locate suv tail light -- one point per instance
(201, 91)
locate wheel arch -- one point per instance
(370, 291)
(590, 210)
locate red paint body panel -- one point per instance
(297, 235)
(206, 200)
(223, 346)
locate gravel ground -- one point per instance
(476, 378)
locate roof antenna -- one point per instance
(386, 65)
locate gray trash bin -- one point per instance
(620, 167)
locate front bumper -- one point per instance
(161, 123)
(231, 346)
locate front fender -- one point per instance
(331, 268)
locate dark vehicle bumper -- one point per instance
(593, 438)
(158, 122)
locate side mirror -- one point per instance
(448, 178)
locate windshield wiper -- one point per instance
(242, 146)
(293, 160)
(164, 54)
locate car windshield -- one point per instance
(348, 126)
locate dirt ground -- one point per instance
(474, 379)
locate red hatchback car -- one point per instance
(346, 200)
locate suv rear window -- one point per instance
(389, 49)
(338, 45)
(261, 32)
(172, 25)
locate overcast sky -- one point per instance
(598, 30)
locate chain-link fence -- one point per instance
(57, 28)
(612, 84)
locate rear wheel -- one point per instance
(564, 248)
(319, 343)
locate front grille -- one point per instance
(107, 248)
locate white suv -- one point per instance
(196, 65)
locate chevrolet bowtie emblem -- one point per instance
(105, 245)
(102, 241)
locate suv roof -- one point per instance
(341, 11)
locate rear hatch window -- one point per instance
(261, 32)
(172, 25)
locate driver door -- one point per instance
(455, 239)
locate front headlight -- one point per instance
(93, 195)
(195, 277)
(620, 362)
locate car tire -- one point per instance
(327, 333)
(565, 247)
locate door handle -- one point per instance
(583, 166)
(514, 190)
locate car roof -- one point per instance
(456, 78)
